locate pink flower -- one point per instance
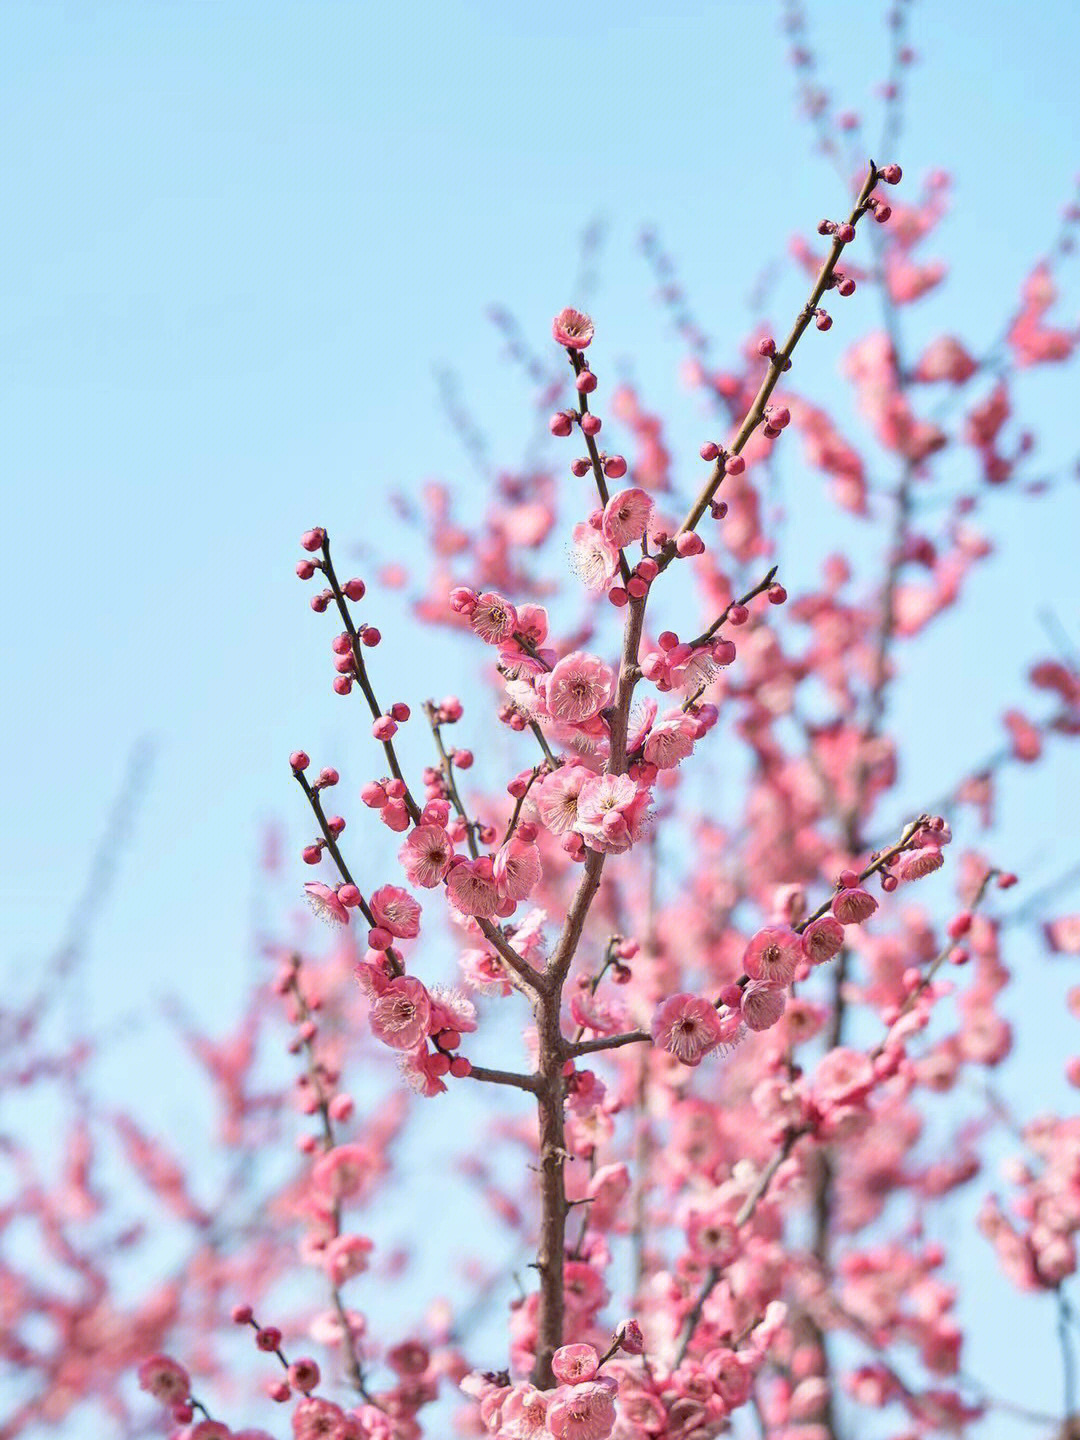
(574, 1363)
(1063, 935)
(914, 864)
(346, 1256)
(626, 516)
(425, 857)
(631, 1339)
(671, 739)
(315, 1419)
(165, 1379)
(584, 1412)
(342, 1171)
(517, 869)
(822, 939)
(578, 688)
(325, 903)
(853, 905)
(763, 1004)
(843, 1075)
(612, 811)
(399, 1017)
(773, 954)
(572, 328)
(471, 888)
(396, 911)
(494, 619)
(688, 1027)
(593, 558)
(524, 1414)
(557, 798)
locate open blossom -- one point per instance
(399, 1017)
(914, 864)
(523, 1415)
(572, 328)
(574, 1363)
(626, 516)
(853, 905)
(688, 1027)
(763, 1004)
(325, 903)
(671, 739)
(578, 688)
(517, 869)
(472, 889)
(823, 939)
(316, 1419)
(582, 1412)
(397, 911)
(494, 619)
(425, 857)
(593, 558)
(346, 1256)
(773, 954)
(843, 1075)
(342, 1171)
(611, 813)
(557, 798)
(165, 1379)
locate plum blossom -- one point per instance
(773, 954)
(396, 910)
(399, 1017)
(426, 854)
(572, 328)
(574, 1363)
(582, 1412)
(762, 1004)
(593, 558)
(688, 1027)
(611, 812)
(578, 688)
(165, 1379)
(671, 739)
(557, 798)
(472, 889)
(325, 903)
(494, 619)
(626, 516)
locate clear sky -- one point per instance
(239, 237)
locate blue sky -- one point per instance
(240, 237)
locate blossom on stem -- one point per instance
(399, 1017)
(572, 328)
(396, 910)
(425, 857)
(688, 1027)
(578, 688)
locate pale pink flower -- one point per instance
(671, 739)
(557, 798)
(626, 516)
(574, 1363)
(688, 1027)
(773, 954)
(165, 1379)
(422, 1071)
(641, 719)
(399, 1017)
(451, 1010)
(342, 1171)
(823, 939)
(396, 911)
(325, 903)
(578, 688)
(612, 811)
(524, 1414)
(914, 864)
(582, 1412)
(346, 1256)
(517, 869)
(494, 619)
(945, 359)
(316, 1419)
(593, 559)
(843, 1075)
(1063, 935)
(762, 1004)
(425, 857)
(631, 1338)
(572, 328)
(471, 888)
(854, 905)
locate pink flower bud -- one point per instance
(299, 761)
(891, 174)
(776, 594)
(370, 635)
(460, 1067)
(738, 614)
(853, 906)
(845, 233)
(355, 589)
(585, 382)
(709, 451)
(689, 543)
(305, 569)
(313, 539)
(767, 347)
(615, 467)
(327, 777)
(561, 424)
(385, 728)
(734, 465)
(580, 467)
(590, 424)
(618, 596)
